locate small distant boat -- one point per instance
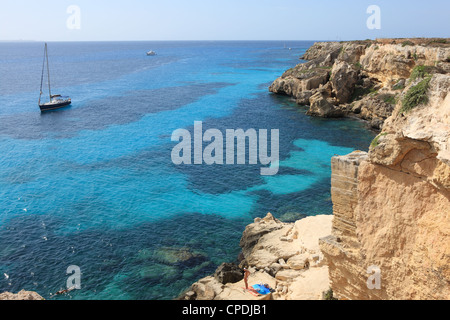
(151, 53)
(56, 100)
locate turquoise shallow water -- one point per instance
(93, 185)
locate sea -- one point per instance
(89, 194)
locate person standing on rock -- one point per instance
(246, 275)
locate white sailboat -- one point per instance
(56, 100)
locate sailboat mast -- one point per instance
(48, 73)
(42, 78)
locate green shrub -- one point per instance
(407, 43)
(388, 98)
(420, 72)
(359, 92)
(398, 86)
(416, 95)
(329, 295)
(376, 142)
(443, 41)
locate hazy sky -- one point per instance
(219, 20)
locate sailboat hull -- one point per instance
(54, 106)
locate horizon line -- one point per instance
(227, 40)
(206, 40)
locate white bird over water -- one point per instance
(6, 276)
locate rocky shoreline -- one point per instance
(362, 79)
(286, 256)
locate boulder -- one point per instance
(256, 230)
(288, 274)
(320, 106)
(299, 262)
(303, 97)
(228, 273)
(343, 79)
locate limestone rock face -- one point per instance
(303, 97)
(255, 231)
(372, 109)
(322, 49)
(395, 61)
(387, 62)
(392, 206)
(303, 81)
(351, 52)
(430, 123)
(300, 81)
(343, 79)
(320, 106)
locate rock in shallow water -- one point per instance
(179, 255)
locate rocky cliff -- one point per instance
(392, 205)
(363, 79)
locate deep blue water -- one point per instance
(93, 185)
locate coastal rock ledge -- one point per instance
(22, 295)
(286, 256)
